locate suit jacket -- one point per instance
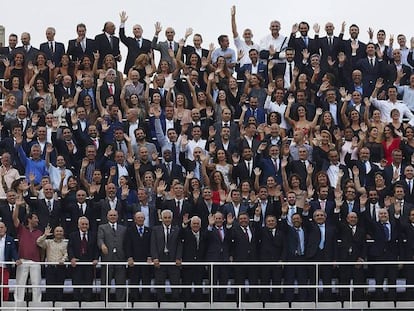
(75, 49)
(272, 208)
(5, 52)
(114, 241)
(29, 56)
(261, 70)
(298, 167)
(234, 130)
(389, 172)
(271, 248)
(404, 217)
(6, 216)
(201, 210)
(360, 53)
(188, 50)
(228, 208)
(186, 208)
(74, 247)
(138, 247)
(351, 246)
(218, 249)
(60, 91)
(163, 48)
(73, 212)
(241, 249)
(240, 171)
(117, 93)
(105, 48)
(176, 173)
(331, 218)
(192, 252)
(366, 179)
(153, 216)
(382, 249)
(7, 145)
(370, 74)
(408, 235)
(133, 49)
(10, 250)
(292, 240)
(312, 246)
(299, 45)
(174, 245)
(103, 207)
(56, 55)
(329, 50)
(390, 73)
(46, 218)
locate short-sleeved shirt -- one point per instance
(28, 248)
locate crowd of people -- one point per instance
(290, 149)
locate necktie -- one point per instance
(197, 237)
(171, 46)
(323, 204)
(111, 41)
(139, 43)
(353, 229)
(249, 168)
(290, 72)
(113, 228)
(174, 152)
(351, 206)
(21, 124)
(330, 41)
(177, 208)
(167, 237)
(84, 244)
(12, 208)
(275, 164)
(371, 61)
(220, 233)
(111, 89)
(226, 124)
(169, 167)
(373, 213)
(386, 231)
(200, 172)
(140, 230)
(49, 206)
(51, 46)
(305, 40)
(322, 241)
(299, 245)
(26, 48)
(246, 233)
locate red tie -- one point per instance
(111, 89)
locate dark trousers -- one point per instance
(356, 273)
(270, 275)
(167, 272)
(192, 275)
(140, 274)
(220, 277)
(55, 275)
(325, 273)
(241, 273)
(385, 271)
(113, 272)
(83, 275)
(298, 273)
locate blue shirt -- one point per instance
(36, 167)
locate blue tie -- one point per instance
(386, 231)
(140, 231)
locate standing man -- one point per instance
(8, 252)
(27, 49)
(29, 254)
(165, 46)
(138, 249)
(273, 46)
(53, 50)
(166, 247)
(107, 43)
(81, 46)
(111, 239)
(136, 45)
(82, 247)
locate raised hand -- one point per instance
(123, 17)
(158, 28)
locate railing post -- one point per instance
(317, 283)
(211, 283)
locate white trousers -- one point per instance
(22, 273)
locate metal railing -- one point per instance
(211, 287)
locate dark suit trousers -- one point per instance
(192, 275)
(270, 275)
(385, 271)
(55, 275)
(109, 272)
(220, 277)
(241, 273)
(356, 273)
(325, 274)
(298, 273)
(83, 275)
(167, 272)
(143, 274)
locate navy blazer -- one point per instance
(133, 49)
(105, 48)
(261, 70)
(56, 56)
(10, 250)
(75, 49)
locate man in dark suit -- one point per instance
(372, 67)
(65, 86)
(223, 141)
(243, 247)
(333, 106)
(111, 242)
(81, 46)
(226, 121)
(350, 204)
(329, 45)
(235, 206)
(408, 252)
(352, 247)
(395, 171)
(366, 168)
(303, 42)
(165, 46)
(136, 45)
(111, 202)
(255, 67)
(6, 52)
(67, 146)
(397, 65)
(205, 207)
(189, 50)
(146, 207)
(194, 244)
(82, 247)
(179, 206)
(323, 203)
(244, 169)
(218, 249)
(107, 43)
(321, 246)
(110, 87)
(300, 166)
(265, 206)
(6, 212)
(285, 69)
(138, 249)
(9, 254)
(387, 237)
(353, 48)
(170, 169)
(81, 208)
(166, 247)
(296, 238)
(272, 247)
(48, 210)
(53, 50)
(400, 202)
(29, 52)
(408, 183)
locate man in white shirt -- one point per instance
(273, 46)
